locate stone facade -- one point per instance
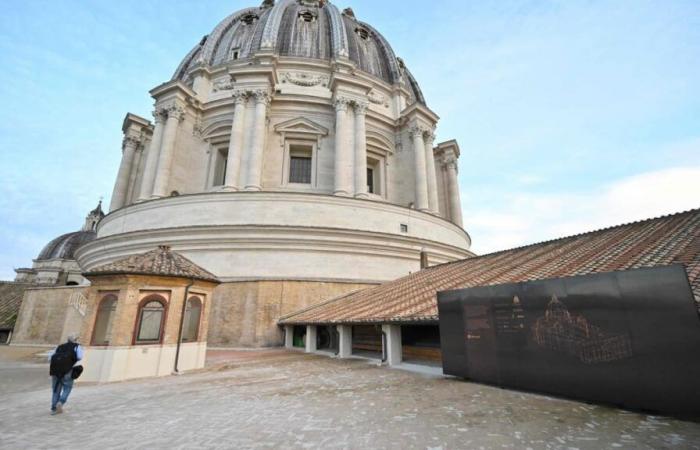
(46, 316)
(244, 314)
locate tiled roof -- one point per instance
(161, 261)
(654, 242)
(10, 300)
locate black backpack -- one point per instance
(63, 359)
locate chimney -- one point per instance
(423, 259)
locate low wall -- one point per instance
(46, 317)
(105, 364)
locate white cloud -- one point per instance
(527, 217)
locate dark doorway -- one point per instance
(421, 344)
(327, 338)
(299, 336)
(367, 341)
(5, 336)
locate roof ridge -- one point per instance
(585, 233)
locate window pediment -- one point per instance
(302, 126)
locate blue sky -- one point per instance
(571, 115)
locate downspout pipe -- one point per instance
(182, 324)
(385, 353)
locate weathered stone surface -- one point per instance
(44, 314)
(245, 314)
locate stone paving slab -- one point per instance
(274, 399)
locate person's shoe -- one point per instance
(53, 412)
(59, 408)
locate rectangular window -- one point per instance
(370, 180)
(300, 169)
(221, 159)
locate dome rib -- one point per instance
(280, 29)
(214, 40)
(272, 27)
(339, 38)
(65, 246)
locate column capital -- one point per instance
(449, 161)
(239, 97)
(360, 108)
(341, 103)
(261, 96)
(159, 114)
(429, 138)
(417, 131)
(176, 112)
(131, 141)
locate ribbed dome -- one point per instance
(303, 29)
(64, 246)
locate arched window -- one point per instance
(102, 332)
(150, 320)
(193, 312)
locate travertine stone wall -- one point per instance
(245, 314)
(45, 316)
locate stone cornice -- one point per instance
(417, 110)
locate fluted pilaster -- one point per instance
(343, 150)
(433, 202)
(167, 152)
(149, 171)
(453, 195)
(257, 141)
(121, 187)
(235, 146)
(360, 150)
(422, 202)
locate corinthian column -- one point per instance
(149, 171)
(343, 151)
(167, 151)
(433, 202)
(453, 189)
(129, 146)
(257, 142)
(422, 203)
(235, 145)
(360, 151)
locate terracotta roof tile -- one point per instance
(161, 261)
(654, 242)
(11, 294)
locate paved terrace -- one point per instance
(275, 398)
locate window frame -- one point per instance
(377, 163)
(200, 299)
(139, 313)
(311, 149)
(105, 296)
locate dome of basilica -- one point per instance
(64, 246)
(300, 29)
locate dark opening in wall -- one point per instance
(367, 341)
(327, 338)
(362, 32)
(421, 344)
(299, 336)
(307, 16)
(249, 19)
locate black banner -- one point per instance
(629, 338)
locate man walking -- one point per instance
(62, 359)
